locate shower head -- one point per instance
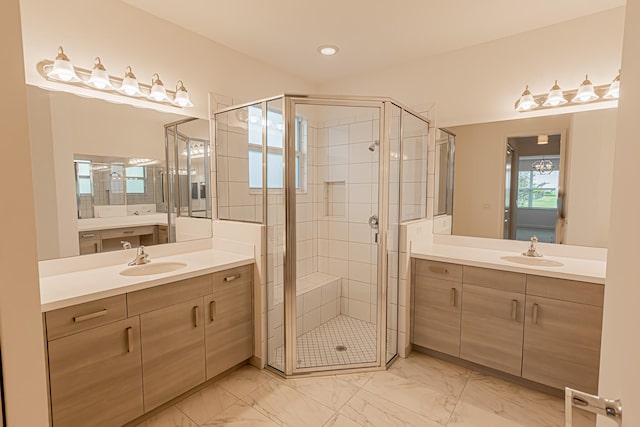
(372, 147)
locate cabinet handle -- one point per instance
(440, 270)
(130, 339)
(453, 297)
(535, 314)
(90, 316)
(514, 309)
(196, 316)
(231, 278)
(212, 310)
(88, 236)
(128, 231)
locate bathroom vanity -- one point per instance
(539, 324)
(121, 350)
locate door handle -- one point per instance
(90, 316)
(196, 316)
(514, 309)
(453, 297)
(535, 314)
(231, 278)
(212, 310)
(440, 270)
(130, 339)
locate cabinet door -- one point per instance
(436, 323)
(229, 331)
(492, 328)
(96, 376)
(172, 351)
(562, 343)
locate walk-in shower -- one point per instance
(331, 178)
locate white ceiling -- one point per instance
(371, 34)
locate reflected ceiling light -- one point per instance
(328, 49)
(182, 97)
(614, 88)
(130, 84)
(543, 139)
(63, 69)
(555, 96)
(543, 167)
(586, 92)
(158, 92)
(99, 77)
(526, 101)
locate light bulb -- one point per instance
(614, 89)
(182, 96)
(99, 77)
(158, 92)
(586, 93)
(555, 97)
(526, 101)
(130, 84)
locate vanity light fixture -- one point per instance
(586, 92)
(556, 97)
(543, 139)
(543, 167)
(62, 70)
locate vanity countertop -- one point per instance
(585, 270)
(88, 224)
(63, 290)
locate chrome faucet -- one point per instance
(125, 244)
(532, 251)
(141, 258)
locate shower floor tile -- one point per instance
(318, 347)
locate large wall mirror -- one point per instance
(550, 176)
(101, 180)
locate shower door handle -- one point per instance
(373, 221)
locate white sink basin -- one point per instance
(536, 261)
(152, 268)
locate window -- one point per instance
(535, 190)
(275, 170)
(135, 179)
(83, 172)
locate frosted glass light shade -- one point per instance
(182, 96)
(62, 69)
(99, 78)
(586, 93)
(555, 97)
(130, 84)
(158, 92)
(526, 101)
(614, 89)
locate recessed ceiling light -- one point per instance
(328, 50)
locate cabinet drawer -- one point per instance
(566, 290)
(227, 279)
(69, 320)
(127, 232)
(439, 270)
(494, 279)
(165, 295)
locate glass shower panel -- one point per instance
(393, 232)
(275, 222)
(337, 164)
(415, 145)
(239, 154)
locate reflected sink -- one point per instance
(152, 268)
(539, 262)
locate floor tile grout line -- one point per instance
(185, 414)
(459, 397)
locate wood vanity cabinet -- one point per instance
(96, 376)
(563, 327)
(172, 351)
(437, 301)
(493, 318)
(90, 242)
(229, 320)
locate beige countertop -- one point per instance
(581, 269)
(88, 224)
(63, 290)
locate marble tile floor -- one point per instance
(417, 391)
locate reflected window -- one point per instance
(538, 189)
(83, 169)
(135, 179)
(275, 151)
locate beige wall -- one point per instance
(123, 35)
(21, 336)
(619, 373)
(482, 82)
